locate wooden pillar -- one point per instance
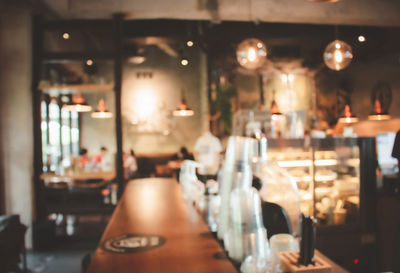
(37, 50)
(118, 55)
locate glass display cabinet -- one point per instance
(327, 173)
(336, 180)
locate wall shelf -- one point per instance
(78, 87)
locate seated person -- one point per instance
(83, 158)
(183, 154)
(104, 160)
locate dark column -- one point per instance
(261, 83)
(368, 165)
(118, 35)
(37, 48)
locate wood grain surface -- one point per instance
(155, 206)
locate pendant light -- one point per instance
(102, 111)
(251, 53)
(78, 104)
(348, 117)
(275, 114)
(378, 114)
(183, 110)
(338, 55)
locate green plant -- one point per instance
(222, 104)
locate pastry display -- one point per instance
(331, 181)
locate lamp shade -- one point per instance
(338, 55)
(102, 111)
(251, 53)
(275, 114)
(78, 104)
(347, 116)
(183, 110)
(378, 114)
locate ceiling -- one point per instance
(344, 12)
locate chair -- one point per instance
(275, 219)
(86, 262)
(12, 243)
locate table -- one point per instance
(76, 179)
(155, 206)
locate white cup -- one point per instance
(282, 243)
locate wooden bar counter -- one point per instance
(154, 206)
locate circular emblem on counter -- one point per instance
(130, 243)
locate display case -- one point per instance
(336, 179)
(327, 173)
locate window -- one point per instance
(60, 134)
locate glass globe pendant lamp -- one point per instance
(338, 55)
(251, 53)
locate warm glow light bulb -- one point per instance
(65, 35)
(361, 38)
(284, 78)
(189, 43)
(184, 62)
(338, 55)
(251, 53)
(89, 62)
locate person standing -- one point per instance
(130, 165)
(396, 151)
(206, 151)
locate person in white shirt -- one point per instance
(130, 165)
(106, 161)
(207, 151)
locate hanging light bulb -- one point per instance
(189, 43)
(361, 38)
(78, 104)
(101, 111)
(184, 61)
(378, 114)
(348, 117)
(251, 53)
(338, 55)
(183, 110)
